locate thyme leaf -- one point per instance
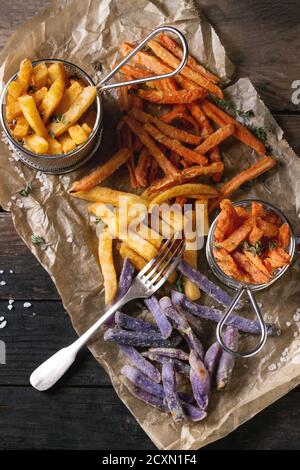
(37, 240)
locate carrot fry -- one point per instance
(175, 48)
(240, 132)
(240, 234)
(215, 138)
(257, 276)
(269, 230)
(255, 235)
(175, 145)
(257, 209)
(102, 172)
(187, 72)
(229, 266)
(172, 97)
(142, 168)
(255, 170)
(147, 140)
(284, 236)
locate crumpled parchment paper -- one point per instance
(89, 33)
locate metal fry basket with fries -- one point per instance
(247, 288)
(63, 163)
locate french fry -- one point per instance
(255, 235)
(86, 128)
(40, 75)
(127, 139)
(13, 109)
(236, 237)
(15, 89)
(124, 99)
(269, 230)
(187, 72)
(39, 95)
(257, 276)
(228, 220)
(107, 267)
(175, 48)
(110, 196)
(242, 212)
(69, 96)
(172, 97)
(216, 138)
(185, 190)
(257, 209)
(240, 132)
(32, 115)
(255, 170)
(229, 266)
(149, 234)
(154, 150)
(173, 217)
(77, 134)
(21, 128)
(25, 72)
(76, 110)
(284, 236)
(257, 261)
(54, 147)
(102, 172)
(57, 71)
(177, 112)
(135, 72)
(191, 291)
(67, 144)
(36, 143)
(52, 99)
(277, 258)
(175, 145)
(143, 166)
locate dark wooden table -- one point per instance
(262, 38)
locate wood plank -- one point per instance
(33, 334)
(262, 40)
(92, 418)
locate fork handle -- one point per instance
(50, 371)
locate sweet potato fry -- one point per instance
(170, 44)
(255, 170)
(177, 112)
(124, 99)
(107, 267)
(185, 190)
(255, 235)
(228, 220)
(239, 235)
(240, 132)
(102, 172)
(187, 72)
(153, 171)
(143, 166)
(269, 230)
(135, 72)
(273, 218)
(229, 266)
(172, 97)
(256, 275)
(257, 261)
(216, 138)
(154, 150)
(128, 143)
(257, 209)
(277, 258)
(175, 145)
(284, 236)
(242, 212)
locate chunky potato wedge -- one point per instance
(86, 128)
(15, 89)
(36, 143)
(32, 115)
(25, 73)
(77, 134)
(55, 147)
(40, 75)
(21, 128)
(76, 110)
(13, 110)
(52, 99)
(69, 97)
(56, 71)
(67, 143)
(39, 95)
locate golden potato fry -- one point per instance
(32, 115)
(55, 147)
(13, 110)
(39, 95)
(149, 234)
(190, 289)
(187, 190)
(52, 99)
(36, 143)
(173, 217)
(21, 128)
(66, 142)
(56, 71)
(77, 134)
(15, 89)
(40, 75)
(86, 128)
(107, 267)
(110, 196)
(10, 99)
(90, 118)
(69, 97)
(203, 205)
(25, 73)
(76, 110)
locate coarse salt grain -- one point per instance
(272, 367)
(2, 283)
(11, 301)
(1, 271)
(26, 304)
(288, 323)
(11, 271)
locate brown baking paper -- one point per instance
(88, 33)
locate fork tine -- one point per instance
(161, 272)
(162, 259)
(171, 268)
(154, 260)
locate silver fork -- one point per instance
(148, 281)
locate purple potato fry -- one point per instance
(135, 324)
(193, 412)
(140, 339)
(209, 313)
(200, 380)
(125, 279)
(209, 287)
(182, 325)
(171, 395)
(146, 397)
(173, 353)
(141, 363)
(163, 323)
(142, 381)
(212, 358)
(194, 322)
(180, 366)
(226, 363)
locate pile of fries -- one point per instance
(44, 105)
(250, 245)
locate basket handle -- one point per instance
(263, 328)
(102, 85)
